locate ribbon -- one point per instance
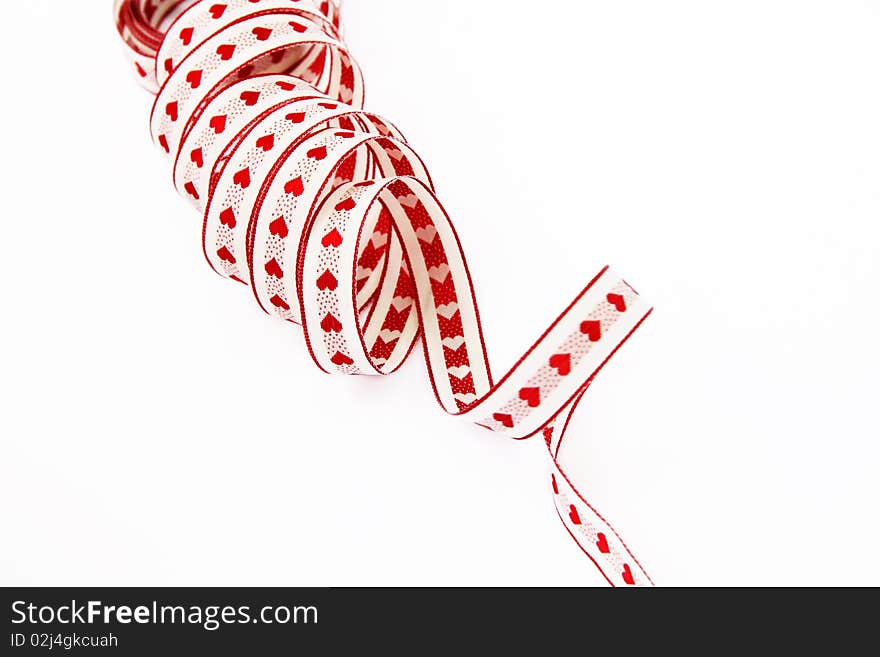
(328, 216)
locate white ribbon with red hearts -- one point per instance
(331, 220)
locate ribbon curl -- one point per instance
(328, 216)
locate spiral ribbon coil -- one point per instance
(330, 218)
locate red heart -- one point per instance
(186, 35)
(296, 117)
(297, 27)
(346, 205)
(262, 33)
(169, 66)
(341, 359)
(226, 51)
(330, 324)
(318, 153)
(628, 575)
(250, 97)
(279, 228)
(532, 396)
(163, 142)
(617, 301)
(278, 302)
(555, 487)
(217, 11)
(562, 363)
(333, 238)
(218, 123)
(294, 186)
(592, 329)
(227, 218)
(329, 106)
(573, 514)
(327, 281)
(504, 419)
(197, 158)
(194, 78)
(171, 110)
(224, 254)
(266, 142)
(602, 544)
(140, 70)
(274, 269)
(191, 190)
(242, 178)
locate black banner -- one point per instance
(243, 621)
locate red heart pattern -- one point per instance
(226, 255)
(330, 324)
(218, 123)
(250, 98)
(194, 78)
(617, 301)
(280, 303)
(346, 205)
(274, 269)
(341, 359)
(262, 33)
(266, 142)
(592, 329)
(294, 186)
(279, 228)
(327, 281)
(532, 396)
(226, 51)
(332, 239)
(505, 419)
(242, 178)
(227, 218)
(561, 363)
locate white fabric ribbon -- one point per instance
(330, 218)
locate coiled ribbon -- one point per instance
(330, 218)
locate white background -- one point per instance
(724, 156)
